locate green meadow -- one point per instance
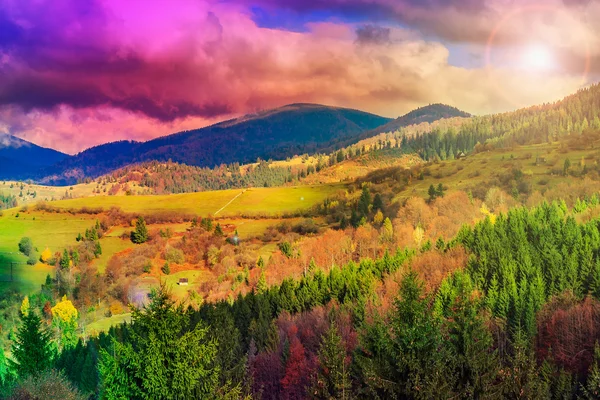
(268, 201)
(53, 231)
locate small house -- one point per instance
(460, 155)
(183, 282)
(540, 160)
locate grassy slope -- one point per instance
(270, 201)
(480, 168)
(53, 231)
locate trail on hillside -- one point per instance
(230, 201)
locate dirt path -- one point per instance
(230, 201)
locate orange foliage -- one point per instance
(434, 266)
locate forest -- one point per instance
(521, 323)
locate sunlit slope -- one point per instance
(258, 201)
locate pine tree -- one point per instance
(261, 285)
(166, 269)
(364, 203)
(377, 202)
(164, 357)
(140, 234)
(333, 378)
(218, 230)
(64, 260)
(475, 362)
(32, 350)
(592, 386)
(432, 193)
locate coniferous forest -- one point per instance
(519, 321)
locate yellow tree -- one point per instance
(64, 317)
(46, 255)
(25, 306)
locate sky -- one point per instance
(75, 74)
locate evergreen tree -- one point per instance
(333, 378)
(432, 193)
(440, 190)
(592, 386)
(218, 230)
(474, 361)
(166, 269)
(164, 357)
(140, 234)
(64, 260)
(364, 203)
(4, 369)
(377, 202)
(32, 351)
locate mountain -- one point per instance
(430, 113)
(277, 134)
(423, 115)
(20, 158)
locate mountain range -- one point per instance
(273, 134)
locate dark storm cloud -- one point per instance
(68, 53)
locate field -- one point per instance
(53, 231)
(267, 201)
(57, 231)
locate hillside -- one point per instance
(276, 134)
(20, 158)
(427, 114)
(292, 258)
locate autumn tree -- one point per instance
(64, 318)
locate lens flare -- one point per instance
(538, 58)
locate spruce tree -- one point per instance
(333, 379)
(64, 260)
(140, 234)
(32, 350)
(165, 357)
(364, 202)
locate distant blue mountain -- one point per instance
(20, 159)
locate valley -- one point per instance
(423, 211)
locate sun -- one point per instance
(538, 58)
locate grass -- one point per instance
(110, 246)
(104, 324)
(195, 277)
(53, 231)
(481, 168)
(269, 201)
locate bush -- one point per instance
(50, 385)
(174, 255)
(306, 227)
(33, 259)
(26, 246)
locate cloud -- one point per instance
(75, 74)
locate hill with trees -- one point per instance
(273, 134)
